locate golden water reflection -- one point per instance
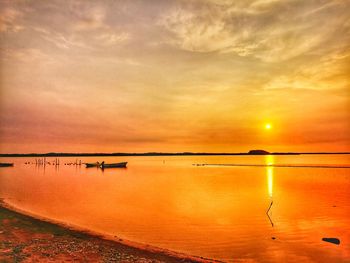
(269, 160)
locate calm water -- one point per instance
(209, 211)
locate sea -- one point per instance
(270, 208)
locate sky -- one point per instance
(173, 76)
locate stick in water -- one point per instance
(269, 207)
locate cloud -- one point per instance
(110, 39)
(27, 55)
(8, 20)
(77, 25)
(89, 18)
(328, 72)
(269, 30)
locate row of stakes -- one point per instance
(43, 161)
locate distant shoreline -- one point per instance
(54, 154)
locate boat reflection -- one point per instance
(269, 160)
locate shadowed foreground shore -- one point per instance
(26, 239)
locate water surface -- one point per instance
(211, 211)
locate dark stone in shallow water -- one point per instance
(331, 240)
(273, 238)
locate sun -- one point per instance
(268, 126)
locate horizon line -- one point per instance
(53, 154)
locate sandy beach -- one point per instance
(26, 239)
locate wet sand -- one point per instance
(26, 239)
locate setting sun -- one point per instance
(268, 126)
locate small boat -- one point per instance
(88, 165)
(113, 165)
(6, 164)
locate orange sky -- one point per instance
(135, 76)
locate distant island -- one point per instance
(251, 152)
(258, 152)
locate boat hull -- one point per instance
(6, 164)
(114, 165)
(89, 165)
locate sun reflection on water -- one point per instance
(270, 180)
(269, 160)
